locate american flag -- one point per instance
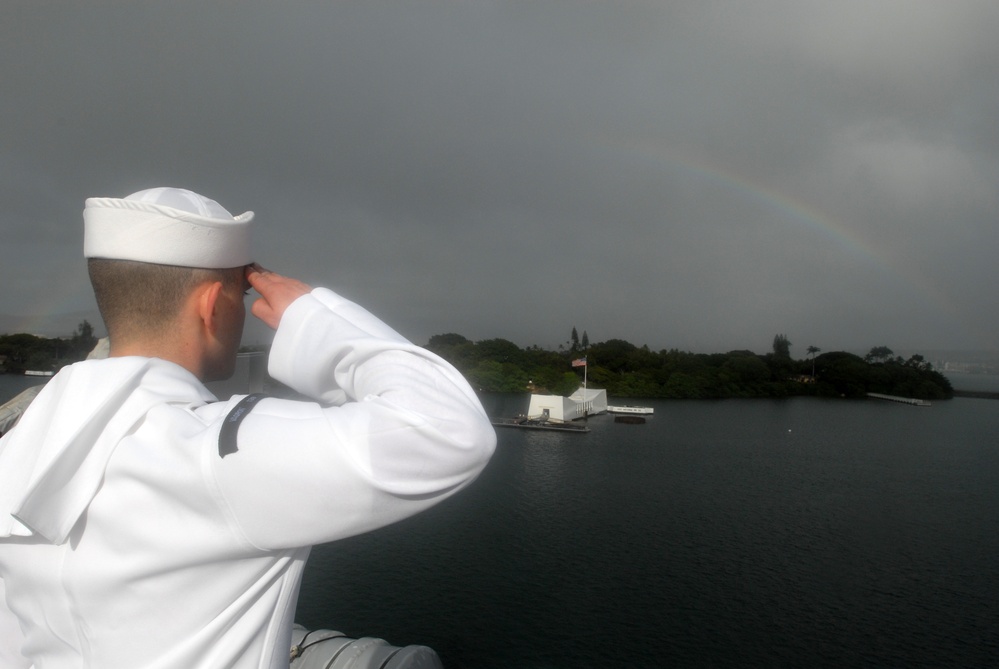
(579, 362)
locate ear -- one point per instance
(207, 300)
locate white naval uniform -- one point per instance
(134, 543)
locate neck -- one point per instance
(179, 348)
(143, 352)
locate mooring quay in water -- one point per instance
(902, 400)
(526, 423)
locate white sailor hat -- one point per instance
(166, 226)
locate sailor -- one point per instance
(145, 524)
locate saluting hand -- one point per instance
(276, 293)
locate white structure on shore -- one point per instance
(584, 402)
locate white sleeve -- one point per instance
(405, 431)
(11, 638)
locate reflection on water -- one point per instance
(735, 533)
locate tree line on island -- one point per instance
(618, 366)
(22, 352)
(626, 370)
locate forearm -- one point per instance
(398, 428)
(328, 346)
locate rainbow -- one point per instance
(803, 213)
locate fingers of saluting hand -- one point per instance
(277, 292)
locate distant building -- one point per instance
(582, 403)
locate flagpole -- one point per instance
(585, 363)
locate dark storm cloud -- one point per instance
(692, 175)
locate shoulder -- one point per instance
(229, 428)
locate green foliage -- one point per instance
(495, 377)
(745, 374)
(566, 384)
(454, 348)
(446, 340)
(625, 370)
(782, 347)
(620, 367)
(842, 374)
(847, 375)
(616, 355)
(21, 352)
(879, 354)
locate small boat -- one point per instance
(630, 409)
(37, 372)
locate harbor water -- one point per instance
(797, 532)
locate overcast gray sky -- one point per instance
(697, 175)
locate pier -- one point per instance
(901, 400)
(535, 424)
